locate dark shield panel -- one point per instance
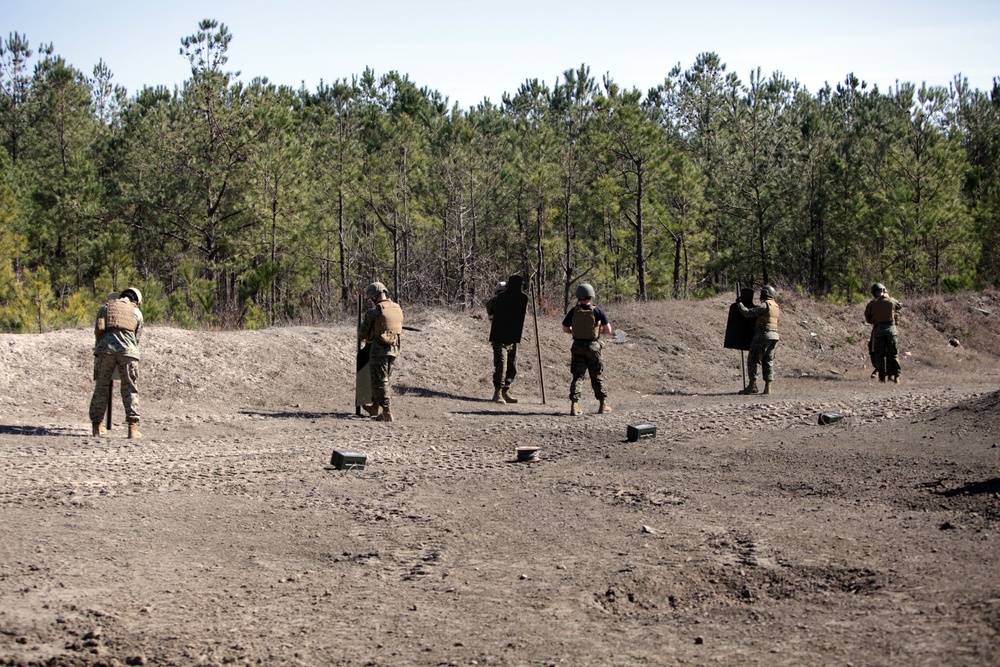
(739, 329)
(508, 316)
(363, 378)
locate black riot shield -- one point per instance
(363, 378)
(739, 329)
(508, 315)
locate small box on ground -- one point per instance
(348, 459)
(636, 431)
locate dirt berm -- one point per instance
(744, 533)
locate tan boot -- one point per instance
(604, 406)
(507, 395)
(133, 432)
(574, 408)
(386, 415)
(498, 396)
(751, 388)
(97, 429)
(372, 409)
(767, 387)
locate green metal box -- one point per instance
(636, 431)
(348, 459)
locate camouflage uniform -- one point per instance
(116, 348)
(384, 348)
(504, 355)
(882, 313)
(586, 355)
(765, 338)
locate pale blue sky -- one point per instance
(469, 50)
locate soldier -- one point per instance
(504, 353)
(117, 333)
(586, 322)
(882, 312)
(765, 338)
(381, 329)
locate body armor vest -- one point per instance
(585, 324)
(120, 315)
(389, 324)
(770, 321)
(882, 312)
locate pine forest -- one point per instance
(244, 205)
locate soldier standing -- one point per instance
(117, 331)
(381, 329)
(586, 322)
(882, 312)
(506, 310)
(765, 338)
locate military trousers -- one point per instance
(504, 364)
(885, 355)
(128, 372)
(586, 357)
(381, 369)
(762, 353)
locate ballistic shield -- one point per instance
(508, 315)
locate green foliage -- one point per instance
(233, 204)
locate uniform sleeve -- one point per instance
(568, 320)
(364, 329)
(602, 317)
(491, 307)
(139, 325)
(868, 313)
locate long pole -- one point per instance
(357, 408)
(538, 347)
(743, 365)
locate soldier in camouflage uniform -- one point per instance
(586, 322)
(765, 339)
(882, 312)
(117, 330)
(504, 356)
(381, 329)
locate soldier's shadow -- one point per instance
(302, 414)
(989, 486)
(422, 392)
(16, 429)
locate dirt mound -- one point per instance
(744, 532)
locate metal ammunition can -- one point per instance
(643, 430)
(348, 459)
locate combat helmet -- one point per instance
(877, 289)
(767, 292)
(501, 286)
(374, 290)
(585, 291)
(133, 294)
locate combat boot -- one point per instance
(894, 378)
(386, 415)
(767, 387)
(498, 396)
(574, 408)
(507, 395)
(133, 431)
(750, 388)
(604, 406)
(97, 429)
(372, 409)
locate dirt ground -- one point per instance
(744, 533)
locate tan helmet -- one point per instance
(133, 294)
(374, 290)
(501, 286)
(767, 292)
